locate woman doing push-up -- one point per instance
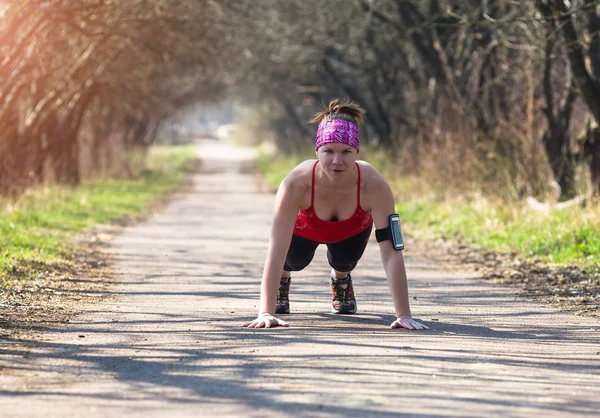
(333, 200)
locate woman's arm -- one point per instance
(286, 211)
(393, 261)
(287, 204)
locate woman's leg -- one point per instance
(343, 257)
(300, 254)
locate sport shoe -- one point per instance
(342, 296)
(283, 296)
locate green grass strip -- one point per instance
(275, 169)
(38, 229)
(568, 236)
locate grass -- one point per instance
(570, 236)
(37, 230)
(275, 169)
(567, 237)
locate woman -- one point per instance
(333, 200)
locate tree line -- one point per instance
(86, 82)
(506, 89)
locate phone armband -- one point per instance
(392, 232)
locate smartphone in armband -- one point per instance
(393, 232)
(396, 232)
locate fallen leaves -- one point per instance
(568, 288)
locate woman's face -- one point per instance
(337, 160)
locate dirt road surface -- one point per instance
(168, 341)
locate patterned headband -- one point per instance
(339, 131)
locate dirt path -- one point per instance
(168, 343)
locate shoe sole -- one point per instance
(282, 311)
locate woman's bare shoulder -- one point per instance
(369, 174)
(374, 186)
(301, 171)
(300, 176)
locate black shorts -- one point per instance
(342, 255)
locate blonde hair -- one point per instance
(347, 110)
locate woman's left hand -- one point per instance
(408, 323)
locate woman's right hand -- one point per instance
(265, 321)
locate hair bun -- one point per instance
(337, 109)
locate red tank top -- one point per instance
(309, 226)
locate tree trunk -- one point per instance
(557, 139)
(591, 151)
(590, 90)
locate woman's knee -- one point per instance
(297, 263)
(342, 262)
(300, 253)
(342, 266)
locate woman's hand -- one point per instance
(265, 321)
(407, 322)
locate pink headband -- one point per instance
(337, 130)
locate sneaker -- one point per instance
(283, 296)
(342, 296)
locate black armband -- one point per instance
(392, 232)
